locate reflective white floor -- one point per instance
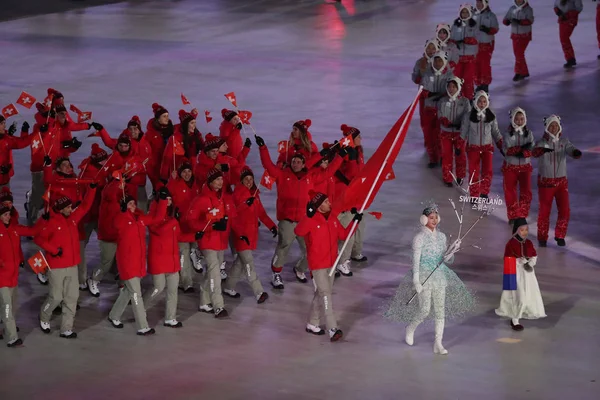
(348, 63)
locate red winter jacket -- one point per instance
(92, 171)
(321, 234)
(7, 145)
(195, 144)
(131, 240)
(232, 137)
(39, 142)
(62, 232)
(292, 188)
(204, 164)
(157, 137)
(167, 166)
(327, 187)
(199, 217)
(246, 221)
(61, 185)
(294, 147)
(117, 161)
(10, 252)
(61, 133)
(348, 171)
(182, 194)
(139, 146)
(163, 250)
(110, 207)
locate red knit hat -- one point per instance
(61, 203)
(349, 130)
(135, 121)
(316, 198)
(212, 142)
(303, 125)
(185, 164)
(128, 198)
(185, 117)
(60, 108)
(57, 97)
(158, 110)
(124, 138)
(98, 153)
(41, 108)
(212, 175)
(2, 119)
(246, 171)
(4, 209)
(228, 114)
(6, 195)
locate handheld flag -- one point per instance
(267, 181)
(347, 141)
(207, 116)
(184, 100)
(26, 100)
(9, 111)
(282, 146)
(245, 116)
(232, 99)
(84, 116)
(390, 176)
(38, 263)
(376, 214)
(75, 109)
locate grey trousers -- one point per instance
(132, 291)
(35, 198)
(355, 244)
(8, 304)
(108, 250)
(82, 267)
(63, 288)
(171, 281)
(186, 274)
(284, 242)
(322, 306)
(244, 264)
(210, 287)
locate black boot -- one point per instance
(570, 63)
(542, 243)
(561, 242)
(517, 78)
(431, 165)
(448, 184)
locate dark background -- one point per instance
(13, 9)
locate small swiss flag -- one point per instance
(36, 143)
(390, 176)
(215, 214)
(267, 181)
(75, 110)
(26, 100)
(376, 214)
(245, 116)
(282, 146)
(184, 100)
(177, 147)
(207, 116)
(347, 141)
(38, 263)
(84, 116)
(9, 111)
(231, 97)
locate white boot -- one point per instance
(439, 334)
(410, 333)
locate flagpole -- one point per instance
(383, 165)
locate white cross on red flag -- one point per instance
(84, 116)
(38, 263)
(231, 97)
(185, 100)
(390, 176)
(347, 141)
(9, 111)
(282, 146)
(245, 116)
(215, 214)
(267, 181)
(26, 100)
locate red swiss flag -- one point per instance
(9, 111)
(26, 100)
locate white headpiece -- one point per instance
(486, 4)
(481, 112)
(444, 56)
(440, 27)
(513, 113)
(459, 82)
(434, 42)
(467, 7)
(547, 121)
(520, 6)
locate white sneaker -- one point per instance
(83, 286)
(45, 326)
(172, 323)
(359, 258)
(300, 276)
(231, 293)
(68, 334)
(315, 330)
(42, 278)
(277, 282)
(207, 308)
(196, 258)
(223, 272)
(344, 268)
(93, 287)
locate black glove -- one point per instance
(25, 127)
(558, 12)
(66, 144)
(457, 152)
(248, 143)
(12, 129)
(44, 128)
(515, 21)
(220, 225)
(502, 152)
(547, 150)
(527, 267)
(357, 216)
(274, 231)
(58, 253)
(22, 264)
(577, 153)
(259, 141)
(5, 169)
(47, 160)
(249, 201)
(97, 126)
(324, 152)
(123, 206)
(484, 29)
(245, 239)
(352, 153)
(163, 193)
(163, 181)
(224, 167)
(527, 146)
(342, 152)
(311, 210)
(342, 178)
(89, 126)
(76, 144)
(176, 213)
(519, 155)
(46, 216)
(93, 185)
(199, 235)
